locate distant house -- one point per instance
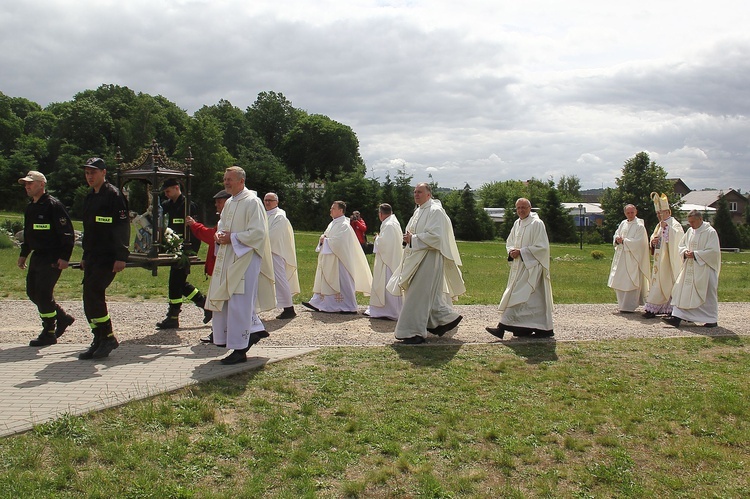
(710, 199)
(585, 214)
(679, 187)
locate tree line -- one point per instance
(309, 160)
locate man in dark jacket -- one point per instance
(175, 214)
(106, 237)
(48, 233)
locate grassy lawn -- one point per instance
(647, 418)
(635, 418)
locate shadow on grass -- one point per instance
(426, 355)
(534, 351)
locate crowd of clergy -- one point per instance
(417, 276)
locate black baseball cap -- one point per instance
(97, 163)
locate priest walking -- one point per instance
(242, 282)
(630, 265)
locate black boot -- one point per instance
(47, 336)
(89, 354)
(200, 301)
(172, 321)
(63, 321)
(288, 313)
(108, 341)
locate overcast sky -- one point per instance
(470, 91)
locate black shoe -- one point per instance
(108, 344)
(543, 334)
(307, 304)
(207, 316)
(256, 337)
(348, 312)
(648, 315)
(414, 340)
(43, 340)
(672, 321)
(208, 339)
(168, 323)
(288, 313)
(235, 357)
(441, 330)
(62, 324)
(496, 331)
(710, 324)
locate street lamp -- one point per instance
(581, 211)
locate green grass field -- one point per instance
(636, 418)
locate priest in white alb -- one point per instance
(695, 296)
(242, 283)
(388, 251)
(429, 275)
(526, 305)
(631, 265)
(284, 254)
(342, 269)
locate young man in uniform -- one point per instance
(48, 232)
(175, 214)
(106, 237)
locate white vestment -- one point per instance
(388, 251)
(695, 293)
(429, 275)
(342, 269)
(630, 269)
(243, 268)
(667, 263)
(284, 257)
(527, 300)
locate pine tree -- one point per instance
(729, 236)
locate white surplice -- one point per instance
(342, 269)
(629, 274)
(284, 257)
(695, 293)
(388, 251)
(429, 275)
(527, 300)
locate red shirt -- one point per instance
(206, 235)
(360, 229)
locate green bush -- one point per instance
(5, 241)
(12, 226)
(597, 255)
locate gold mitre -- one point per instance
(661, 203)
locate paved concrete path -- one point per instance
(41, 384)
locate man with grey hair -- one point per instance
(526, 305)
(695, 295)
(284, 254)
(429, 276)
(49, 237)
(242, 281)
(631, 266)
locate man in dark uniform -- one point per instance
(106, 237)
(48, 232)
(175, 215)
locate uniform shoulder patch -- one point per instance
(63, 221)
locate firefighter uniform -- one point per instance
(48, 236)
(106, 237)
(174, 218)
